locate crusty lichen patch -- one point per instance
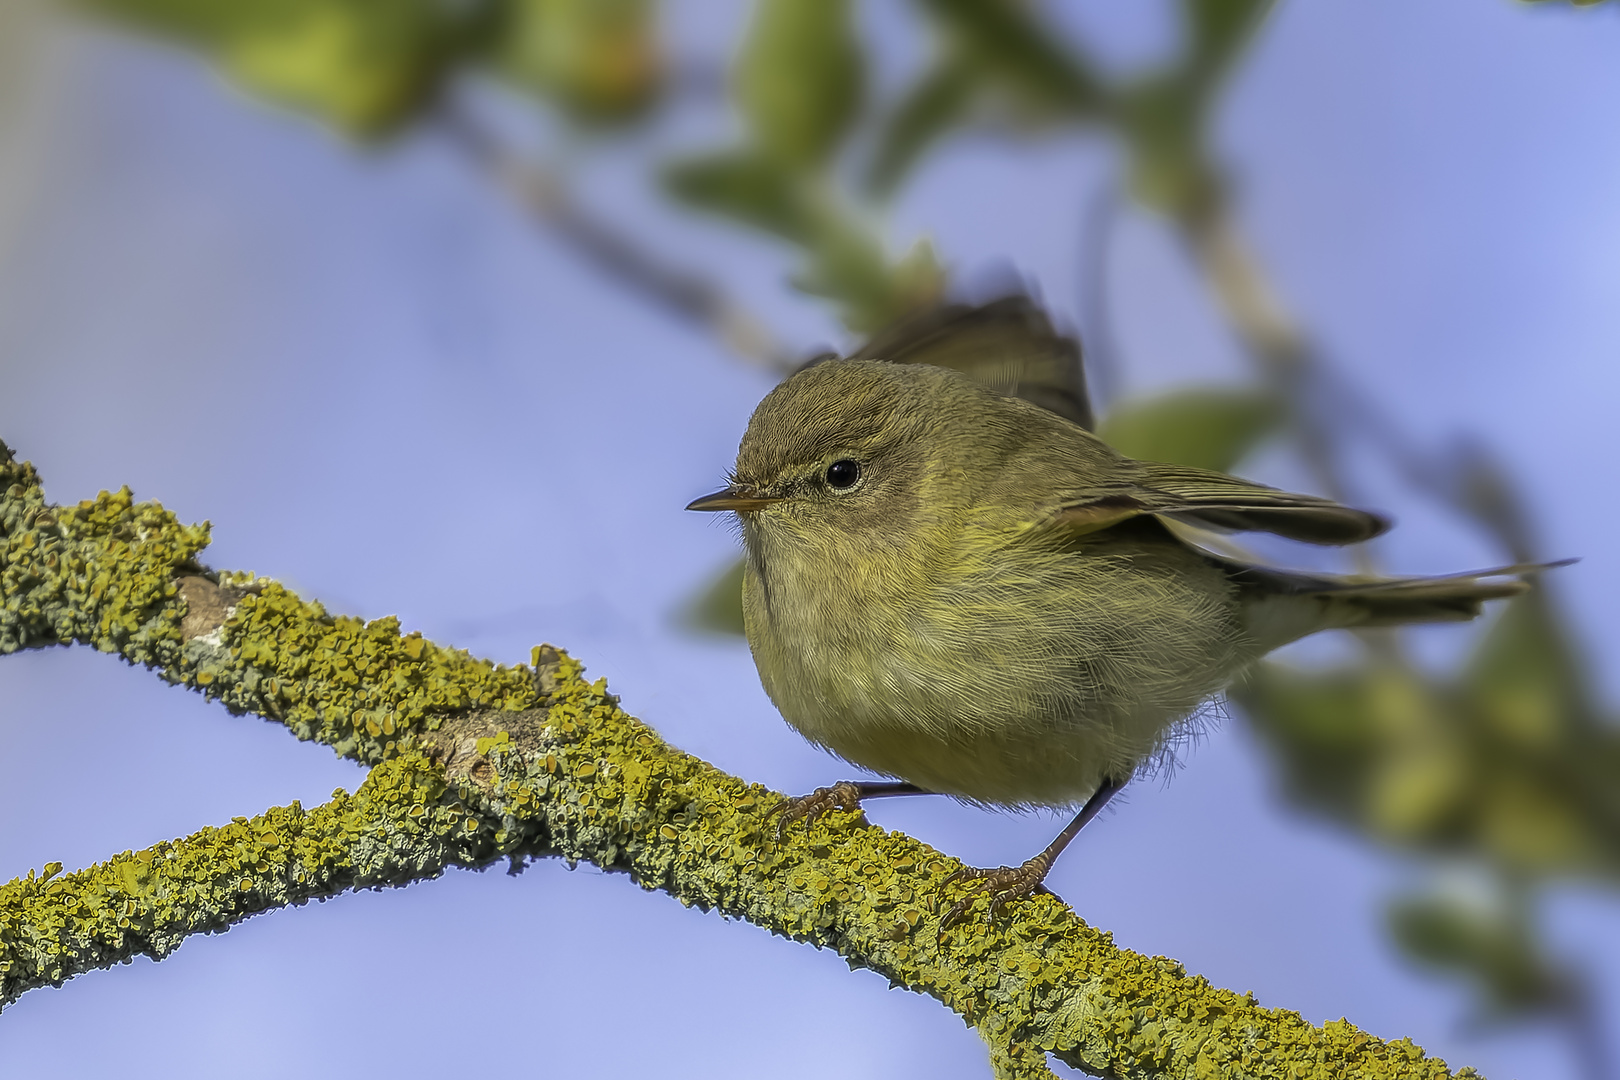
(474, 762)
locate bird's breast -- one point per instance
(1004, 673)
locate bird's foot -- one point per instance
(1003, 885)
(844, 795)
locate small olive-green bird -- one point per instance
(980, 598)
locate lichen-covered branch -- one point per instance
(398, 828)
(474, 762)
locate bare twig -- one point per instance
(1467, 482)
(1100, 348)
(677, 289)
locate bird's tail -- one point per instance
(1283, 605)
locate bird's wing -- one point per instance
(1215, 501)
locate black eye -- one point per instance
(843, 474)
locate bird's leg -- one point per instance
(844, 795)
(1008, 883)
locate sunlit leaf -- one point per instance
(363, 65)
(1429, 766)
(599, 59)
(1208, 429)
(748, 187)
(799, 79)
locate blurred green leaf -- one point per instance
(364, 65)
(1208, 429)
(748, 187)
(1525, 679)
(1341, 736)
(1558, 809)
(1004, 39)
(1217, 30)
(844, 260)
(598, 59)
(717, 607)
(1162, 121)
(1008, 345)
(799, 79)
(1484, 766)
(848, 265)
(935, 103)
(1493, 950)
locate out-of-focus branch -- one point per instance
(1244, 294)
(1272, 339)
(475, 762)
(1101, 349)
(1471, 485)
(681, 290)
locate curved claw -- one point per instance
(844, 795)
(1004, 884)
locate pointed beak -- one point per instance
(731, 498)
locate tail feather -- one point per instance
(1283, 605)
(1452, 599)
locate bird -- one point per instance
(972, 594)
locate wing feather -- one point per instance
(1214, 500)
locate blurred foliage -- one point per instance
(1008, 345)
(365, 65)
(1503, 760)
(599, 59)
(799, 80)
(798, 87)
(1208, 428)
(1505, 764)
(717, 607)
(371, 66)
(1498, 948)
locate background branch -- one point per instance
(546, 197)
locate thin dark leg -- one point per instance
(844, 795)
(874, 789)
(1008, 882)
(1093, 807)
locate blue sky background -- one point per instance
(385, 388)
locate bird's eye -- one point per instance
(843, 474)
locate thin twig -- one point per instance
(1100, 348)
(682, 291)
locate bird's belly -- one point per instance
(1025, 704)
